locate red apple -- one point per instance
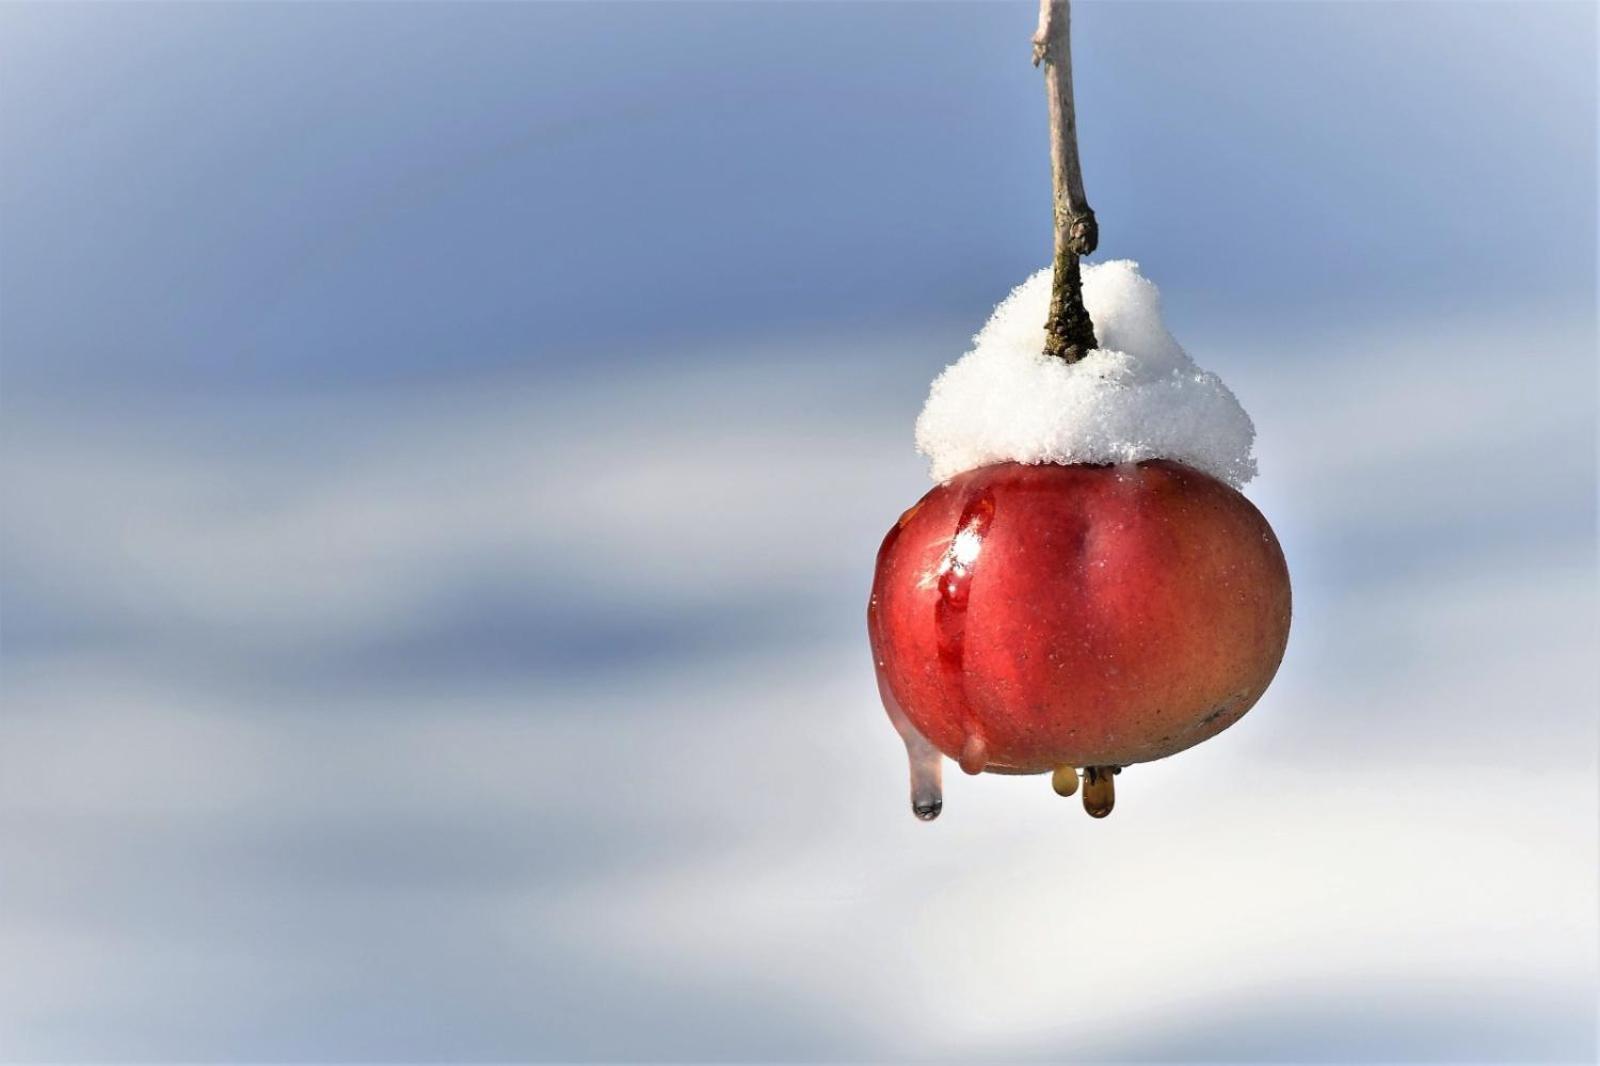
(1026, 619)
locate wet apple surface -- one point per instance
(1026, 619)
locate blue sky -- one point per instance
(281, 194)
(444, 447)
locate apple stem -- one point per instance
(1069, 332)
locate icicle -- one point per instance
(927, 796)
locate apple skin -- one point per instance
(1026, 618)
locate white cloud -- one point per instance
(1411, 807)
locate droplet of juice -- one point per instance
(1099, 794)
(1064, 780)
(974, 755)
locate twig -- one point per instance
(1069, 334)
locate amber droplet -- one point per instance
(1064, 780)
(1099, 793)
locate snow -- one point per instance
(1138, 396)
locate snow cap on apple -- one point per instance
(1136, 396)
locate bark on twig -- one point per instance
(1069, 334)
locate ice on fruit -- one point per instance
(1137, 396)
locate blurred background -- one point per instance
(444, 451)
